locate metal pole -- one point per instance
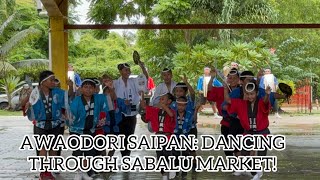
(50, 54)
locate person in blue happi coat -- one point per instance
(86, 111)
(183, 126)
(116, 106)
(44, 107)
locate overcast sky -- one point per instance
(83, 9)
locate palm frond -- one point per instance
(17, 38)
(6, 23)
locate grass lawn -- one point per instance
(10, 113)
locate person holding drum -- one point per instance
(128, 89)
(45, 106)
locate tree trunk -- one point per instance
(9, 99)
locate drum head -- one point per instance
(286, 89)
(34, 96)
(142, 83)
(136, 57)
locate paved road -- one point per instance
(301, 159)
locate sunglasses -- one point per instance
(123, 65)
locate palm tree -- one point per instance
(8, 82)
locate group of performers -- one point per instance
(172, 111)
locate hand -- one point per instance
(127, 102)
(225, 107)
(29, 92)
(268, 90)
(109, 84)
(161, 105)
(27, 105)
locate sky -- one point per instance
(82, 11)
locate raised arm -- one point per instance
(112, 91)
(266, 97)
(167, 109)
(144, 70)
(190, 88)
(227, 98)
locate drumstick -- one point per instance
(223, 79)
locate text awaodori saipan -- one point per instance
(154, 143)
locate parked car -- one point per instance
(15, 98)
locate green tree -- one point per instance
(9, 84)
(93, 57)
(11, 40)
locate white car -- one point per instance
(15, 98)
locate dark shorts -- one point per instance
(91, 152)
(248, 142)
(194, 131)
(225, 132)
(127, 127)
(235, 127)
(54, 131)
(203, 100)
(112, 123)
(165, 154)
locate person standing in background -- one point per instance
(270, 80)
(202, 87)
(166, 86)
(75, 78)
